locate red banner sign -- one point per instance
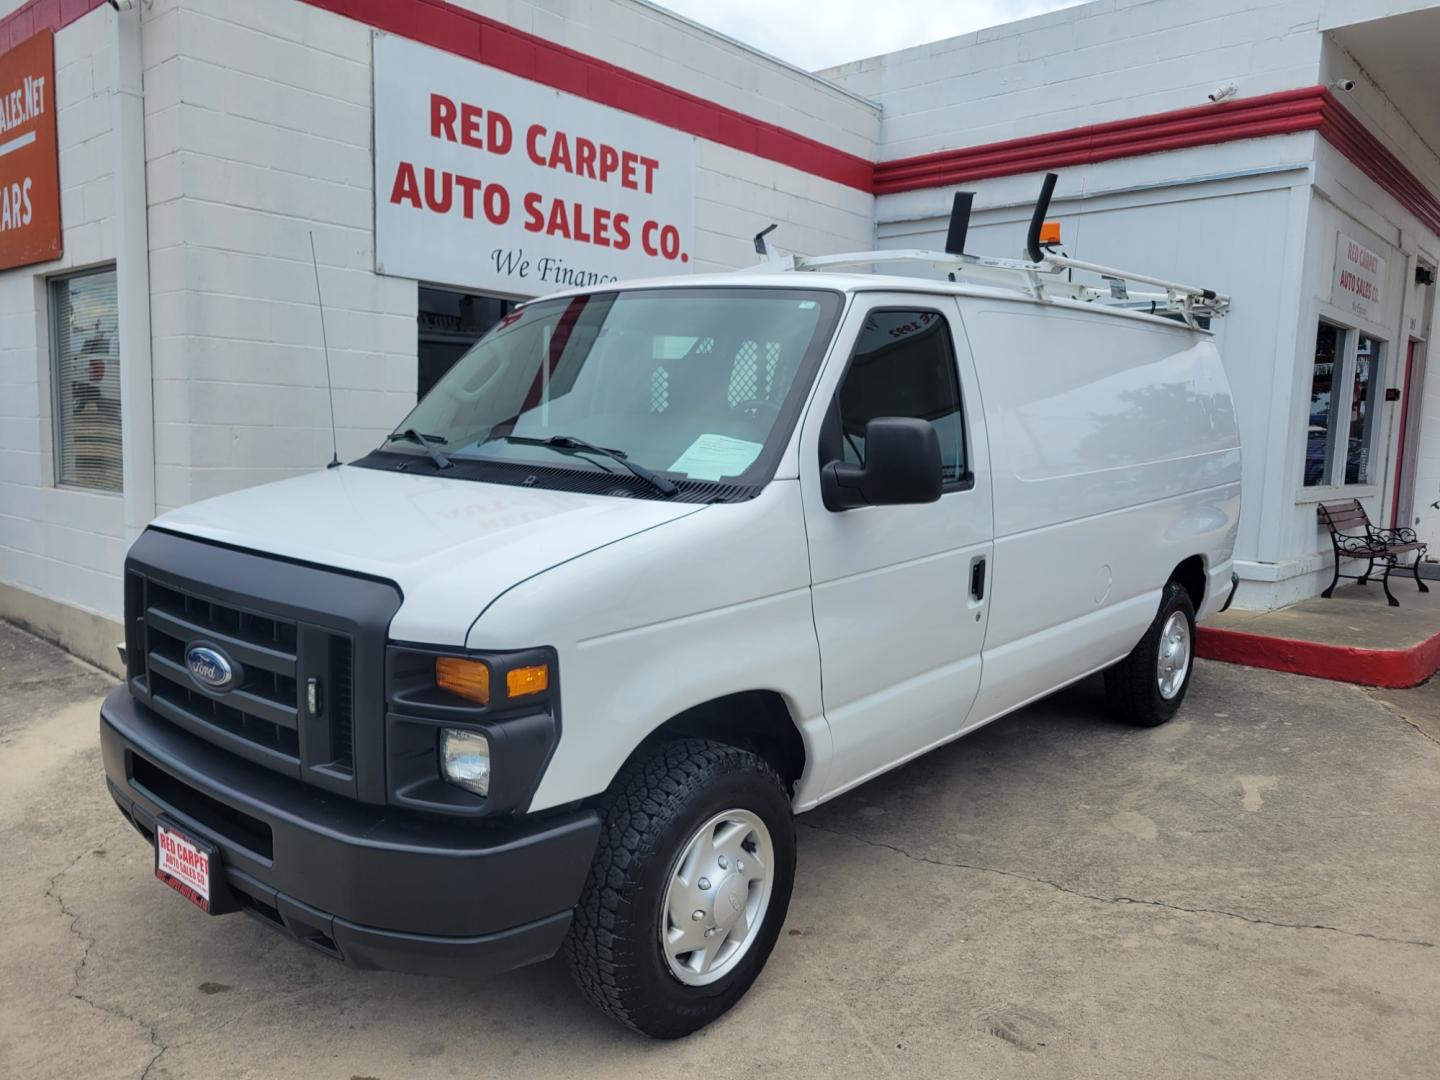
(29, 156)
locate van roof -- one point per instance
(767, 278)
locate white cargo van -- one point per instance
(655, 567)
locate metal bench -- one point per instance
(1355, 538)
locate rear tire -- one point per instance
(644, 887)
(1149, 685)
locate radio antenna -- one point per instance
(325, 344)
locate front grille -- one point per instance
(262, 716)
(342, 698)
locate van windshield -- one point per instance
(690, 384)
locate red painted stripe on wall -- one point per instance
(476, 37)
(1343, 130)
(1310, 108)
(1269, 114)
(39, 15)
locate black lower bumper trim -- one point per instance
(372, 886)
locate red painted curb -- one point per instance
(1396, 668)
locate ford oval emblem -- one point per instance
(210, 667)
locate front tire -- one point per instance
(689, 887)
(1148, 686)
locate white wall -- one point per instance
(258, 133)
(1106, 60)
(64, 543)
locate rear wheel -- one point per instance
(689, 888)
(1148, 686)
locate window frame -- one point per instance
(51, 287)
(1342, 397)
(831, 435)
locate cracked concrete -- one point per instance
(1249, 890)
(52, 890)
(1119, 899)
(1418, 706)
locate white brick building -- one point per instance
(173, 350)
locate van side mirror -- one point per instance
(902, 465)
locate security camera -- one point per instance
(1228, 90)
(1344, 85)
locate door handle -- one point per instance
(977, 579)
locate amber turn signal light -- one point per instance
(469, 679)
(524, 681)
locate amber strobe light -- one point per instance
(1050, 232)
(468, 678)
(523, 681)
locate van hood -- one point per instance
(452, 546)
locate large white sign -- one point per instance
(498, 184)
(1358, 274)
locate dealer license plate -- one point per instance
(184, 864)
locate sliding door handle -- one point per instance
(977, 579)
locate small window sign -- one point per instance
(1359, 273)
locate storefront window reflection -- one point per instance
(1329, 343)
(1362, 410)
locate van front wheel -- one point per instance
(689, 887)
(1148, 686)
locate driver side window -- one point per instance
(904, 365)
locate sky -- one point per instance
(815, 34)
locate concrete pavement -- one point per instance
(1249, 890)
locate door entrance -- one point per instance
(1402, 507)
(449, 323)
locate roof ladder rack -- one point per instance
(1044, 275)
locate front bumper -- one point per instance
(372, 886)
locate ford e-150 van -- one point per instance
(654, 568)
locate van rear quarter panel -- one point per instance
(1115, 456)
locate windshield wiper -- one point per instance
(419, 439)
(580, 446)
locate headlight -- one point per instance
(471, 732)
(465, 759)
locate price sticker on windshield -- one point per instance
(712, 456)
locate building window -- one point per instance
(86, 380)
(904, 365)
(1344, 396)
